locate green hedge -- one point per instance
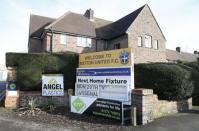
(31, 67)
(169, 81)
(195, 77)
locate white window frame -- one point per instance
(155, 44)
(89, 42)
(139, 41)
(148, 41)
(63, 39)
(84, 42)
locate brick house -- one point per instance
(79, 33)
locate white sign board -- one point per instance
(106, 83)
(52, 85)
(12, 93)
(113, 92)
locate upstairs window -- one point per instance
(148, 41)
(84, 42)
(63, 39)
(155, 44)
(88, 42)
(117, 46)
(139, 41)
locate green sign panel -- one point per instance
(78, 104)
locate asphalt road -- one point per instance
(179, 122)
(18, 125)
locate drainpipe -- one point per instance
(51, 40)
(96, 45)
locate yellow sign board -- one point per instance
(112, 58)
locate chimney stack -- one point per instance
(89, 14)
(178, 49)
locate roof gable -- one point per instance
(73, 23)
(146, 10)
(156, 21)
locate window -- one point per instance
(147, 41)
(84, 42)
(117, 46)
(155, 44)
(139, 41)
(89, 42)
(63, 39)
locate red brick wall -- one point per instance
(25, 96)
(71, 44)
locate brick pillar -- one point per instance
(190, 103)
(12, 96)
(142, 99)
(69, 93)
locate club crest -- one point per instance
(124, 57)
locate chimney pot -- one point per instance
(178, 49)
(89, 14)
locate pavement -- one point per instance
(188, 121)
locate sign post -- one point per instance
(104, 81)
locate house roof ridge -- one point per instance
(42, 16)
(140, 8)
(57, 20)
(185, 52)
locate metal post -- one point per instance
(70, 93)
(133, 116)
(122, 114)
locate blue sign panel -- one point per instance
(12, 86)
(104, 72)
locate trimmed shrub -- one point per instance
(169, 81)
(30, 68)
(195, 77)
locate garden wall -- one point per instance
(163, 108)
(148, 107)
(26, 96)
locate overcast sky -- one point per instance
(178, 19)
